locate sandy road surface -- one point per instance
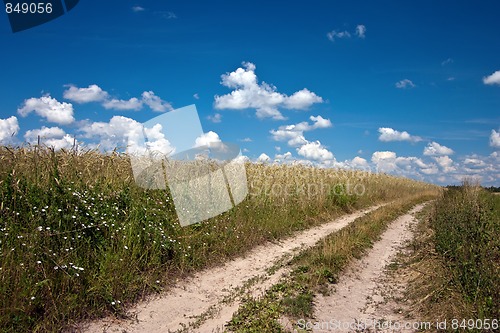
(363, 297)
(207, 291)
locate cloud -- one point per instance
(410, 166)
(385, 161)
(332, 35)
(50, 136)
(435, 149)
(120, 104)
(492, 79)
(44, 133)
(156, 141)
(294, 134)
(216, 118)
(403, 84)
(446, 163)
(155, 103)
(263, 158)
(495, 139)
(8, 129)
(48, 108)
(315, 151)
(388, 134)
(360, 31)
(138, 9)
(264, 98)
(206, 139)
(196, 96)
(121, 132)
(359, 162)
(282, 157)
(246, 140)
(447, 62)
(93, 93)
(301, 100)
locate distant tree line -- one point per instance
(493, 189)
(490, 189)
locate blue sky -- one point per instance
(409, 88)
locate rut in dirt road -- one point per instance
(202, 296)
(362, 298)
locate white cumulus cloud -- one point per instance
(206, 139)
(446, 163)
(385, 161)
(435, 149)
(492, 79)
(315, 151)
(120, 104)
(294, 134)
(8, 129)
(121, 132)
(263, 158)
(155, 103)
(50, 136)
(264, 98)
(388, 134)
(495, 139)
(282, 157)
(359, 162)
(44, 133)
(48, 108)
(93, 93)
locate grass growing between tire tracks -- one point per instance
(315, 269)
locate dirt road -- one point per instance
(205, 302)
(363, 300)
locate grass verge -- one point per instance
(455, 261)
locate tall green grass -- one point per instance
(79, 239)
(466, 222)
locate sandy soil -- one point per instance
(367, 299)
(205, 302)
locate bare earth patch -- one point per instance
(205, 302)
(366, 298)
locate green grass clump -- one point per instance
(79, 239)
(466, 221)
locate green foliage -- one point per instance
(343, 196)
(466, 221)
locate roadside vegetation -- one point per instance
(79, 239)
(456, 260)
